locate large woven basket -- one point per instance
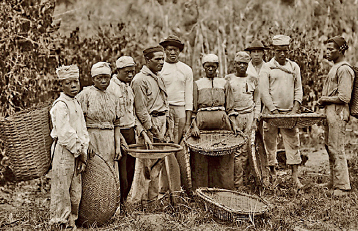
(353, 105)
(27, 141)
(159, 150)
(216, 143)
(228, 205)
(100, 193)
(294, 120)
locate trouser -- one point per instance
(290, 140)
(148, 174)
(176, 122)
(176, 126)
(208, 171)
(126, 164)
(334, 144)
(241, 166)
(66, 187)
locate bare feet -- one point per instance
(339, 193)
(325, 185)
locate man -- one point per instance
(281, 93)
(70, 149)
(257, 53)
(120, 87)
(245, 110)
(211, 97)
(178, 80)
(336, 95)
(151, 106)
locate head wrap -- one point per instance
(172, 40)
(152, 50)
(210, 58)
(340, 41)
(255, 45)
(68, 72)
(100, 68)
(242, 56)
(125, 61)
(281, 40)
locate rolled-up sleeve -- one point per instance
(188, 97)
(67, 136)
(345, 76)
(264, 87)
(298, 85)
(140, 103)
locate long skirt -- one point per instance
(208, 171)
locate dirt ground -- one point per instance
(25, 205)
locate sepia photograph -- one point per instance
(179, 115)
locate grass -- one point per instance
(25, 206)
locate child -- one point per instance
(69, 150)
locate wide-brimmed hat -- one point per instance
(255, 45)
(173, 41)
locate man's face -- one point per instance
(126, 74)
(101, 81)
(70, 87)
(241, 68)
(257, 56)
(156, 63)
(210, 69)
(171, 54)
(332, 52)
(281, 53)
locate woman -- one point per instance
(101, 111)
(211, 98)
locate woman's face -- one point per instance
(101, 81)
(210, 69)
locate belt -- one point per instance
(158, 113)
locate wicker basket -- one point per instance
(100, 193)
(159, 150)
(228, 205)
(216, 143)
(27, 141)
(294, 120)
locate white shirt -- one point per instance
(178, 80)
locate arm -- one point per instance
(140, 103)
(298, 90)
(188, 99)
(195, 130)
(264, 88)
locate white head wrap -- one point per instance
(242, 56)
(101, 68)
(280, 40)
(125, 61)
(68, 72)
(210, 58)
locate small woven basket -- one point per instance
(216, 143)
(159, 150)
(228, 205)
(27, 140)
(100, 193)
(294, 120)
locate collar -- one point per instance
(63, 95)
